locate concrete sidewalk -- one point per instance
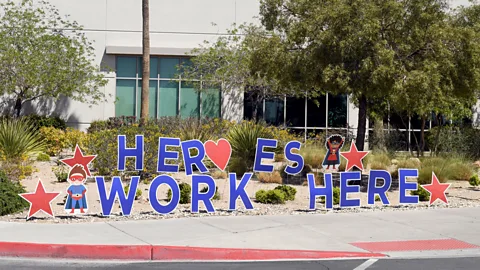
(350, 234)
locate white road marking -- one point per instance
(366, 264)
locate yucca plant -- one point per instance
(19, 139)
(243, 139)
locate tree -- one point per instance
(145, 61)
(237, 61)
(438, 63)
(44, 55)
(338, 47)
(409, 53)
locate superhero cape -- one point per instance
(325, 160)
(68, 203)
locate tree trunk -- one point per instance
(437, 137)
(422, 137)
(18, 107)
(145, 62)
(362, 123)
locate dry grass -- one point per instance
(274, 177)
(279, 157)
(217, 174)
(408, 164)
(378, 165)
(313, 155)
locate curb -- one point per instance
(165, 253)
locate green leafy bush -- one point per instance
(10, 202)
(55, 140)
(138, 193)
(289, 192)
(423, 194)
(46, 121)
(185, 193)
(474, 180)
(237, 165)
(61, 173)
(215, 197)
(270, 197)
(336, 196)
(42, 157)
(19, 140)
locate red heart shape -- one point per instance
(219, 153)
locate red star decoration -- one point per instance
(79, 158)
(354, 157)
(40, 200)
(437, 190)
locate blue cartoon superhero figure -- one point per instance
(76, 198)
(334, 143)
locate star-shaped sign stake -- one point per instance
(40, 200)
(354, 157)
(79, 158)
(437, 190)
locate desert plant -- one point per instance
(408, 164)
(215, 197)
(270, 196)
(10, 202)
(460, 171)
(474, 180)
(243, 139)
(289, 192)
(273, 177)
(55, 140)
(42, 157)
(313, 155)
(423, 194)
(238, 166)
(19, 139)
(336, 196)
(185, 193)
(138, 193)
(61, 173)
(217, 174)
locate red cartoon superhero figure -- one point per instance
(334, 143)
(76, 198)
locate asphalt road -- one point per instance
(383, 264)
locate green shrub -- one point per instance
(237, 165)
(19, 140)
(215, 197)
(61, 173)
(43, 157)
(10, 201)
(55, 140)
(243, 139)
(377, 198)
(270, 197)
(289, 192)
(423, 194)
(138, 193)
(336, 196)
(185, 193)
(46, 121)
(474, 180)
(306, 170)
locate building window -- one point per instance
(169, 95)
(310, 115)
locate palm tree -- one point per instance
(146, 61)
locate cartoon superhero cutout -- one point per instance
(333, 144)
(76, 198)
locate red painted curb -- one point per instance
(113, 252)
(170, 253)
(164, 253)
